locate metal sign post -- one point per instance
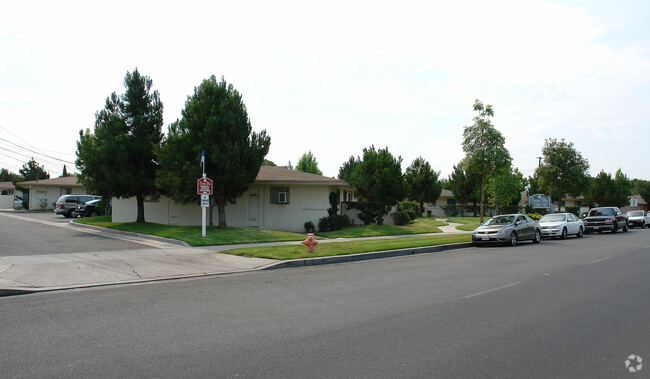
(204, 188)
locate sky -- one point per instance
(336, 77)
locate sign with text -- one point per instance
(205, 201)
(204, 186)
(539, 201)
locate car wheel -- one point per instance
(538, 237)
(580, 233)
(94, 214)
(643, 225)
(513, 239)
(614, 227)
(625, 228)
(564, 233)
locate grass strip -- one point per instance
(349, 247)
(192, 234)
(419, 226)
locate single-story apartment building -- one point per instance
(44, 193)
(278, 199)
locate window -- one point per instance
(451, 202)
(152, 198)
(280, 195)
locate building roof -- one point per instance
(278, 175)
(7, 186)
(67, 181)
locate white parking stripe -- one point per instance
(490, 290)
(600, 260)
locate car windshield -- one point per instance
(500, 220)
(553, 218)
(635, 213)
(92, 202)
(602, 212)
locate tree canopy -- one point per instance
(307, 163)
(505, 190)
(563, 170)
(8, 176)
(484, 147)
(345, 171)
(422, 183)
(466, 187)
(33, 171)
(608, 191)
(379, 182)
(119, 158)
(215, 119)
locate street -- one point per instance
(571, 308)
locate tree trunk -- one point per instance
(482, 196)
(221, 203)
(140, 199)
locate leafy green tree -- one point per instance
(307, 163)
(119, 158)
(267, 162)
(484, 147)
(379, 181)
(642, 188)
(215, 119)
(608, 191)
(466, 187)
(33, 171)
(65, 172)
(563, 170)
(422, 183)
(8, 176)
(345, 171)
(505, 190)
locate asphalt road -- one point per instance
(47, 233)
(573, 308)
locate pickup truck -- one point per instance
(605, 218)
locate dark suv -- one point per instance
(68, 203)
(605, 218)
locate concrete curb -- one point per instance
(366, 256)
(131, 234)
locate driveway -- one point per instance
(24, 233)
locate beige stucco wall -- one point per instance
(50, 194)
(6, 201)
(307, 203)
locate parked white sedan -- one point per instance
(561, 225)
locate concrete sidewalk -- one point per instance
(48, 272)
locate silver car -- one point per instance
(561, 225)
(638, 218)
(507, 230)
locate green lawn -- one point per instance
(192, 234)
(469, 223)
(351, 247)
(419, 226)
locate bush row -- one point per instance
(403, 217)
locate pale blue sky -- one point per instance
(339, 76)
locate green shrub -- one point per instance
(411, 214)
(401, 218)
(309, 227)
(408, 205)
(324, 224)
(534, 216)
(429, 213)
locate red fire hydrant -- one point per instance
(310, 242)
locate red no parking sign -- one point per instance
(204, 186)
